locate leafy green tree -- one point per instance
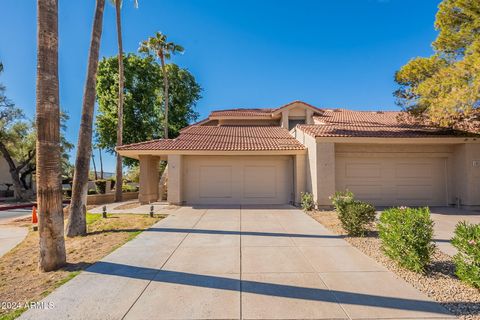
(17, 144)
(143, 105)
(444, 89)
(133, 174)
(161, 48)
(183, 97)
(118, 20)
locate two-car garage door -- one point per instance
(385, 180)
(409, 181)
(238, 179)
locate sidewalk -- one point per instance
(10, 236)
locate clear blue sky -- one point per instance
(248, 53)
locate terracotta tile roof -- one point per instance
(349, 123)
(260, 112)
(299, 102)
(267, 113)
(211, 138)
(204, 122)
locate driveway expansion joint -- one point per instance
(160, 269)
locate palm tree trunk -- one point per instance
(165, 90)
(77, 224)
(101, 163)
(49, 184)
(119, 178)
(94, 168)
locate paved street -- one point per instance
(237, 263)
(7, 215)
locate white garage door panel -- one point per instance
(260, 181)
(415, 192)
(370, 193)
(363, 170)
(414, 181)
(414, 170)
(220, 180)
(238, 179)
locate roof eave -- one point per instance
(263, 117)
(291, 105)
(398, 140)
(135, 154)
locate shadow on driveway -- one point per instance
(261, 288)
(244, 233)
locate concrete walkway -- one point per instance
(237, 263)
(11, 236)
(446, 218)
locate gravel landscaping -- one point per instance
(439, 282)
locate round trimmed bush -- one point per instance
(467, 260)
(356, 216)
(406, 235)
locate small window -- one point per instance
(292, 123)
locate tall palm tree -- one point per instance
(160, 47)
(77, 225)
(101, 163)
(49, 183)
(119, 173)
(95, 173)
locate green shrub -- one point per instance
(128, 188)
(101, 186)
(112, 183)
(92, 191)
(341, 198)
(356, 216)
(308, 203)
(467, 260)
(406, 235)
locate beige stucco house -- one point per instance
(5, 177)
(270, 156)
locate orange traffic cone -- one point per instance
(34, 218)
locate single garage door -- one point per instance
(391, 181)
(238, 179)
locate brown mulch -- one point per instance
(439, 281)
(20, 278)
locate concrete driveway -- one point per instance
(237, 263)
(446, 218)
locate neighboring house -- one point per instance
(270, 156)
(6, 181)
(5, 178)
